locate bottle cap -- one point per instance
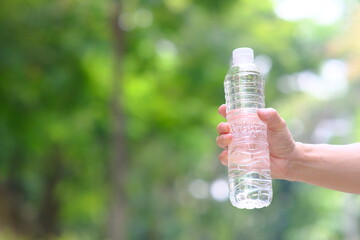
(243, 55)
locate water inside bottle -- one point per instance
(248, 162)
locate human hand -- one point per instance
(282, 147)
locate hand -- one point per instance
(282, 147)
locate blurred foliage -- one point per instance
(56, 65)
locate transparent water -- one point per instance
(248, 160)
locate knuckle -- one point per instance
(282, 123)
(219, 126)
(223, 158)
(219, 140)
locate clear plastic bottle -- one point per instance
(248, 154)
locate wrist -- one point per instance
(296, 163)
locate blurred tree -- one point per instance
(53, 116)
(119, 158)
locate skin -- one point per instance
(335, 167)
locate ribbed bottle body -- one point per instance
(248, 154)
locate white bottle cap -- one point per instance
(243, 55)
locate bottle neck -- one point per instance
(245, 66)
(240, 60)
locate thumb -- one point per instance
(281, 142)
(274, 122)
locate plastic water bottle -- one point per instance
(248, 154)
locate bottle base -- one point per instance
(251, 200)
(252, 190)
(249, 204)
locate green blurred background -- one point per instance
(108, 111)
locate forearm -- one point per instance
(332, 166)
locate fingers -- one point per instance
(222, 110)
(274, 122)
(224, 140)
(225, 137)
(223, 128)
(223, 157)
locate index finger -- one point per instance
(222, 110)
